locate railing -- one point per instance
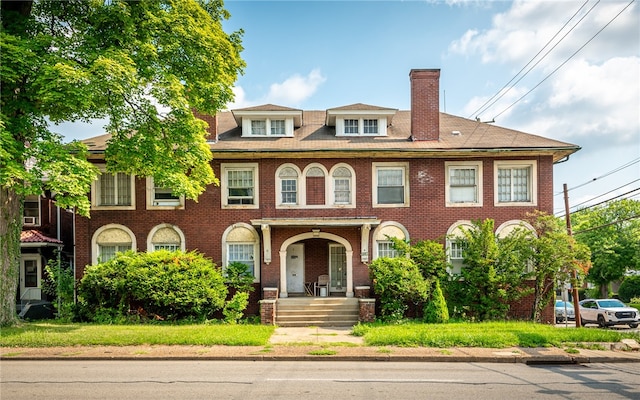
(25, 300)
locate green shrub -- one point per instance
(397, 281)
(629, 288)
(60, 284)
(161, 285)
(436, 310)
(234, 309)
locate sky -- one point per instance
(567, 70)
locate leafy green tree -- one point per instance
(147, 66)
(612, 232)
(629, 288)
(554, 256)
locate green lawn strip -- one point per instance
(485, 334)
(46, 334)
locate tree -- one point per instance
(612, 232)
(554, 256)
(148, 66)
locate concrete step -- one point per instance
(317, 311)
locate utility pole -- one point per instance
(567, 216)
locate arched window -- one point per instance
(165, 237)
(288, 185)
(241, 243)
(456, 245)
(382, 245)
(315, 184)
(342, 185)
(111, 239)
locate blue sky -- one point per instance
(583, 87)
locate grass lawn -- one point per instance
(409, 334)
(48, 334)
(484, 334)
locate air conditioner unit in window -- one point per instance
(29, 220)
(166, 202)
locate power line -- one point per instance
(604, 201)
(500, 93)
(620, 168)
(605, 225)
(564, 62)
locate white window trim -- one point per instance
(257, 261)
(378, 235)
(382, 125)
(278, 180)
(246, 126)
(454, 233)
(96, 234)
(534, 182)
(225, 168)
(150, 244)
(389, 165)
(331, 187)
(479, 182)
(95, 196)
(151, 188)
(303, 186)
(27, 220)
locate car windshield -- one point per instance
(562, 304)
(611, 303)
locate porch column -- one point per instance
(349, 273)
(266, 242)
(364, 243)
(283, 274)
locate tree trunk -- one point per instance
(10, 228)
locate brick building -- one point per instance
(309, 193)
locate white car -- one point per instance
(608, 312)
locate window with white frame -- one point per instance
(113, 191)
(109, 240)
(464, 184)
(258, 127)
(457, 245)
(31, 211)
(288, 178)
(351, 127)
(241, 244)
(239, 185)
(386, 249)
(242, 253)
(278, 127)
(370, 126)
(390, 186)
(342, 179)
(159, 197)
(515, 183)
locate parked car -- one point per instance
(564, 311)
(608, 312)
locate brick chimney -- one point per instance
(425, 104)
(212, 120)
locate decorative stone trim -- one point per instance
(270, 293)
(367, 310)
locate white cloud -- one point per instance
(291, 92)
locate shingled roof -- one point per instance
(34, 237)
(459, 137)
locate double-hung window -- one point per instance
(278, 127)
(31, 211)
(386, 249)
(239, 185)
(390, 188)
(243, 253)
(370, 126)
(342, 179)
(113, 191)
(515, 183)
(351, 127)
(288, 178)
(259, 127)
(464, 184)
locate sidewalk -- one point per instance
(320, 344)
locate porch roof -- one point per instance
(316, 222)
(34, 238)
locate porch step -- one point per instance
(317, 311)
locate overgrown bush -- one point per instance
(397, 281)
(59, 284)
(629, 288)
(240, 278)
(161, 285)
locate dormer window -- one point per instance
(268, 121)
(360, 120)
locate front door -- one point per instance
(295, 268)
(338, 267)
(30, 277)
